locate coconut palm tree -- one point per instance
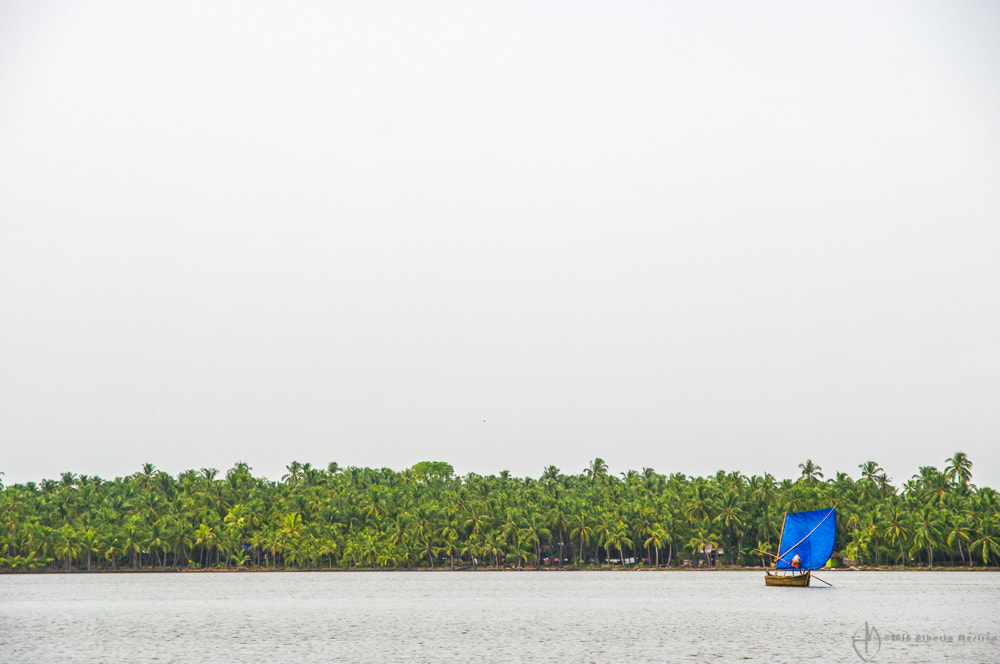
(451, 537)
(67, 545)
(383, 518)
(658, 537)
(702, 539)
(926, 533)
(895, 529)
(810, 471)
(729, 518)
(987, 545)
(959, 468)
(582, 531)
(597, 468)
(204, 537)
(618, 538)
(957, 530)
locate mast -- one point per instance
(781, 537)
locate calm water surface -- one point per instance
(494, 617)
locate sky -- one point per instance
(684, 236)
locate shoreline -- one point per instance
(491, 570)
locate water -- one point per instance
(468, 617)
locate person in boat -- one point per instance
(796, 562)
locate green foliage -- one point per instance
(427, 470)
(425, 516)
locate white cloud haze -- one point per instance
(735, 235)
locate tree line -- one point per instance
(426, 516)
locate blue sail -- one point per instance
(809, 534)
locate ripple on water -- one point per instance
(483, 616)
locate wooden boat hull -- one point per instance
(789, 581)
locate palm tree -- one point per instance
(729, 516)
(658, 536)
(67, 546)
(113, 550)
(144, 478)
(452, 539)
(132, 541)
(205, 538)
(699, 504)
(153, 541)
(763, 547)
(533, 532)
(701, 540)
(494, 546)
(294, 474)
(894, 527)
(870, 471)
(810, 471)
(583, 531)
(596, 469)
(618, 538)
(926, 532)
(988, 545)
(89, 542)
(382, 518)
(559, 524)
(958, 530)
(959, 468)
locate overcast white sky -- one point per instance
(686, 236)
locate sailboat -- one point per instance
(809, 535)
